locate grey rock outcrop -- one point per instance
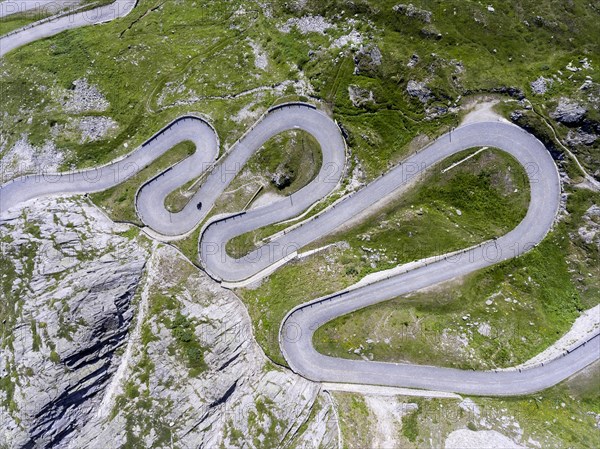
(67, 284)
(419, 90)
(580, 137)
(76, 372)
(282, 179)
(306, 24)
(84, 97)
(95, 128)
(541, 85)
(568, 112)
(414, 60)
(413, 12)
(360, 96)
(367, 60)
(590, 231)
(237, 400)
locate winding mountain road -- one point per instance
(299, 325)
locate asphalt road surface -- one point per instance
(300, 324)
(51, 27)
(40, 7)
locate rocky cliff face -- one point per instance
(109, 341)
(196, 377)
(68, 279)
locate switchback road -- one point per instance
(299, 325)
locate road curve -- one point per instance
(298, 327)
(42, 183)
(151, 195)
(150, 199)
(10, 7)
(52, 26)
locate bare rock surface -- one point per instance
(590, 231)
(367, 59)
(482, 439)
(234, 399)
(580, 137)
(68, 279)
(413, 12)
(353, 38)
(568, 111)
(95, 128)
(23, 157)
(101, 347)
(306, 24)
(84, 97)
(541, 85)
(360, 96)
(419, 90)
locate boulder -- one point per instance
(541, 85)
(413, 12)
(568, 112)
(419, 90)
